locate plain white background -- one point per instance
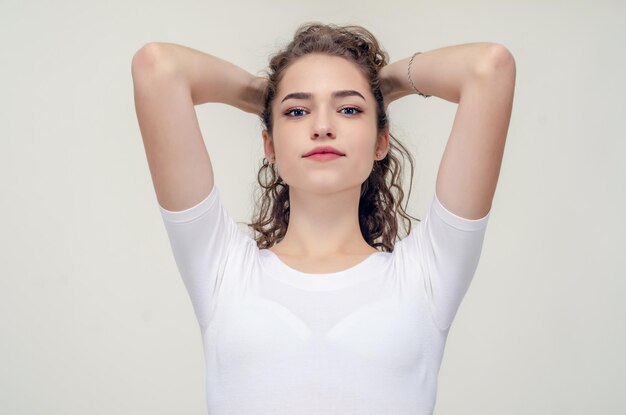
(94, 317)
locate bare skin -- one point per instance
(323, 234)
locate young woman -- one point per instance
(326, 310)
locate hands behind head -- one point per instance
(392, 83)
(253, 96)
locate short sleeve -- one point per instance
(446, 249)
(202, 238)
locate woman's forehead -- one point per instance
(322, 74)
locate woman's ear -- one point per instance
(268, 145)
(383, 144)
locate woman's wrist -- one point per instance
(410, 78)
(253, 94)
(394, 82)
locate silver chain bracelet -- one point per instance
(408, 73)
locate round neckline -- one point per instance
(319, 281)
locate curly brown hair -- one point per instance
(379, 208)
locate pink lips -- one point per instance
(324, 150)
(323, 156)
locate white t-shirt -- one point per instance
(366, 340)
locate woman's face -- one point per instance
(324, 101)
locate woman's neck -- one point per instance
(323, 225)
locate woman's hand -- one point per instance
(392, 86)
(252, 100)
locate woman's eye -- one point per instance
(296, 112)
(350, 110)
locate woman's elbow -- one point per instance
(498, 60)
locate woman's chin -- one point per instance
(326, 188)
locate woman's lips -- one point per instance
(323, 156)
(324, 149)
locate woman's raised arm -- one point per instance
(480, 77)
(169, 80)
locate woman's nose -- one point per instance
(322, 127)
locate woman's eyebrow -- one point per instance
(347, 93)
(337, 94)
